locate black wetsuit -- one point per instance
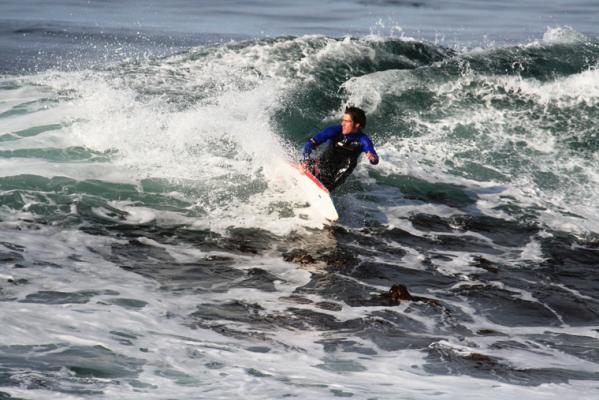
(339, 159)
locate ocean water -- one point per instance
(151, 248)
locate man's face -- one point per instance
(347, 125)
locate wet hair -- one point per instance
(357, 115)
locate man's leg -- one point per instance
(342, 175)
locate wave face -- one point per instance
(147, 245)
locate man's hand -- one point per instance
(304, 166)
(371, 157)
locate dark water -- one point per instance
(150, 244)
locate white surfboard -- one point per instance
(306, 188)
(316, 193)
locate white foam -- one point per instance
(563, 35)
(570, 91)
(533, 252)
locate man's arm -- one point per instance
(320, 138)
(368, 148)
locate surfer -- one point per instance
(346, 143)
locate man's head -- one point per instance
(353, 120)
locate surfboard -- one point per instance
(316, 193)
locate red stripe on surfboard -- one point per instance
(316, 181)
(312, 178)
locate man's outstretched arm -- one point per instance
(368, 148)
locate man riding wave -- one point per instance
(346, 142)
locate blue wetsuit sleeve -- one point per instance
(308, 147)
(368, 147)
(320, 138)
